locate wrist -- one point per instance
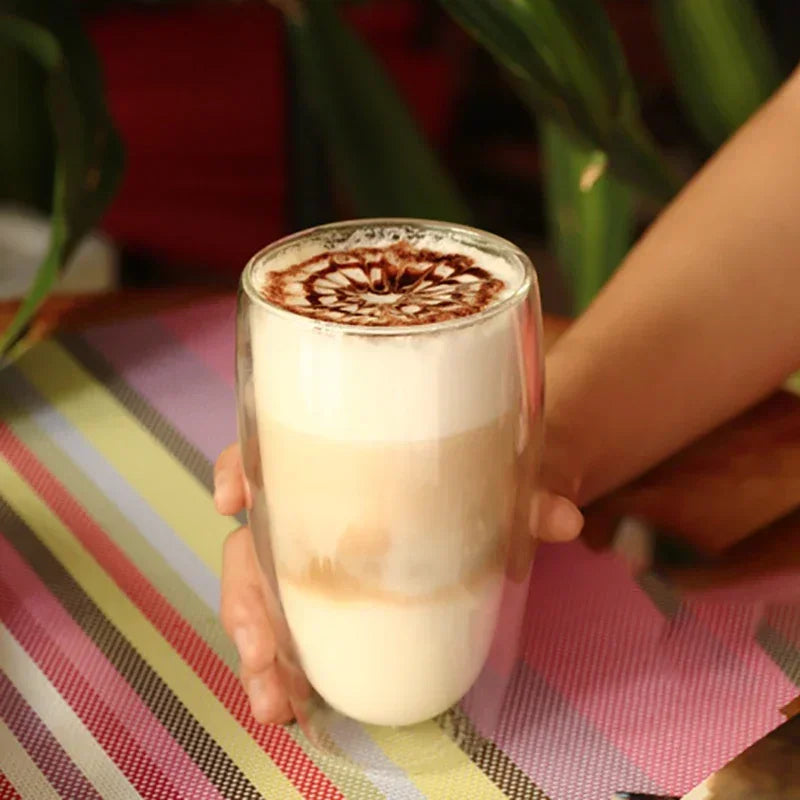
(562, 471)
(564, 467)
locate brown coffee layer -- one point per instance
(400, 522)
(326, 578)
(396, 285)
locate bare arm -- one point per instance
(701, 320)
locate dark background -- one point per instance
(223, 156)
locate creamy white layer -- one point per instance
(387, 663)
(319, 379)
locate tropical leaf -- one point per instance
(89, 154)
(723, 63)
(590, 212)
(570, 68)
(375, 145)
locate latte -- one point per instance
(391, 418)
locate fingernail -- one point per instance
(261, 703)
(566, 520)
(243, 639)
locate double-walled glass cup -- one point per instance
(391, 471)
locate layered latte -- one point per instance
(392, 422)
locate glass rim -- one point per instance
(506, 247)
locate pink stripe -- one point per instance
(40, 744)
(100, 696)
(213, 339)
(567, 756)
(641, 680)
(7, 791)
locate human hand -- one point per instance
(244, 616)
(244, 607)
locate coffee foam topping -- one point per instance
(383, 286)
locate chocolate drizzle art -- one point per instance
(383, 286)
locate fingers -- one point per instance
(229, 481)
(551, 518)
(268, 700)
(243, 609)
(555, 518)
(244, 617)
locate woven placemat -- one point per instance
(117, 681)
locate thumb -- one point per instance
(554, 518)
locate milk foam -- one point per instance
(336, 383)
(393, 664)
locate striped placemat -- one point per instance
(117, 681)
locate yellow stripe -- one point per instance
(452, 775)
(65, 725)
(20, 769)
(176, 495)
(186, 506)
(181, 679)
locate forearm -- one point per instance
(702, 319)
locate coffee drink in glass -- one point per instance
(389, 377)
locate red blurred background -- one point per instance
(199, 96)
(203, 96)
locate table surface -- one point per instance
(116, 679)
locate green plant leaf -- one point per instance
(375, 145)
(570, 68)
(589, 211)
(723, 62)
(89, 154)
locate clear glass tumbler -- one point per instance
(391, 469)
